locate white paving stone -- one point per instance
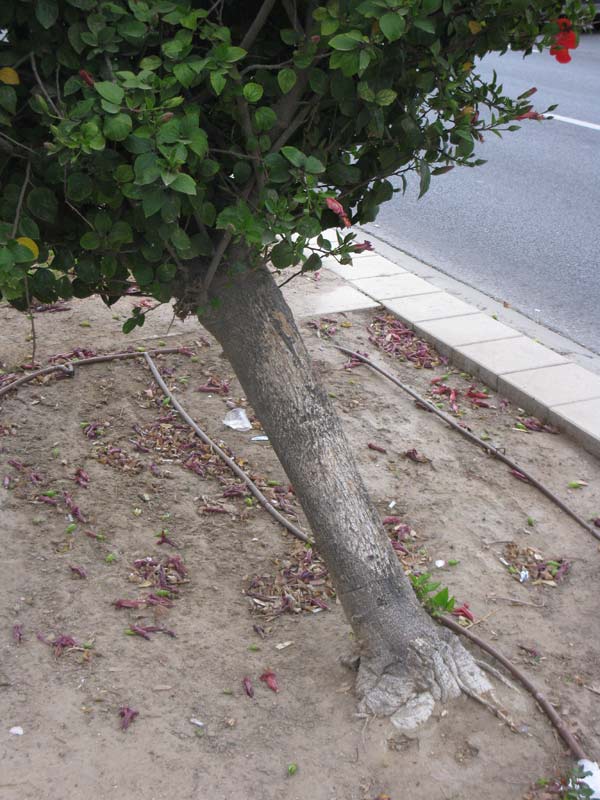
(391, 286)
(550, 386)
(437, 305)
(370, 267)
(342, 298)
(492, 359)
(456, 331)
(582, 421)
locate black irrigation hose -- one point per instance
(490, 449)
(223, 455)
(541, 699)
(68, 367)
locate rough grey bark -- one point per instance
(406, 660)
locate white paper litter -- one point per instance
(238, 420)
(440, 563)
(593, 780)
(17, 731)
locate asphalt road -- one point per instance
(525, 227)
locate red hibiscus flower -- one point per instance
(337, 208)
(564, 41)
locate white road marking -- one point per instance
(582, 124)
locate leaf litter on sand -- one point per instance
(302, 582)
(540, 570)
(392, 336)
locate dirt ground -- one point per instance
(147, 474)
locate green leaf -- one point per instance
(185, 74)
(8, 98)
(424, 24)
(117, 128)
(312, 263)
(180, 239)
(294, 156)
(131, 28)
(166, 273)
(90, 241)
(46, 12)
(217, 81)
(425, 173)
(253, 92)
(146, 168)
(431, 6)
(286, 79)
(264, 118)
(318, 80)
(392, 26)
(283, 255)
(314, 166)
(385, 97)
(152, 201)
(198, 143)
(233, 54)
(184, 183)
(120, 233)
(110, 91)
(151, 62)
(42, 204)
(346, 41)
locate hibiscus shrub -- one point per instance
(139, 139)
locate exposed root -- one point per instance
(436, 669)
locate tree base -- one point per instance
(436, 669)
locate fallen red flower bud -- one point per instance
(156, 600)
(597, 522)
(391, 520)
(127, 716)
(50, 501)
(82, 478)
(417, 457)
(139, 631)
(376, 447)
(17, 633)
(78, 570)
(519, 475)
(464, 611)
(248, 688)
(270, 679)
(177, 564)
(129, 603)
(164, 539)
(473, 393)
(360, 247)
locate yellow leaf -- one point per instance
(29, 244)
(10, 76)
(467, 66)
(474, 27)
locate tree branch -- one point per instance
(15, 226)
(216, 259)
(49, 100)
(15, 229)
(259, 22)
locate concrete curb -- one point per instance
(539, 379)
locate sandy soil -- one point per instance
(462, 506)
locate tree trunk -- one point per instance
(407, 662)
